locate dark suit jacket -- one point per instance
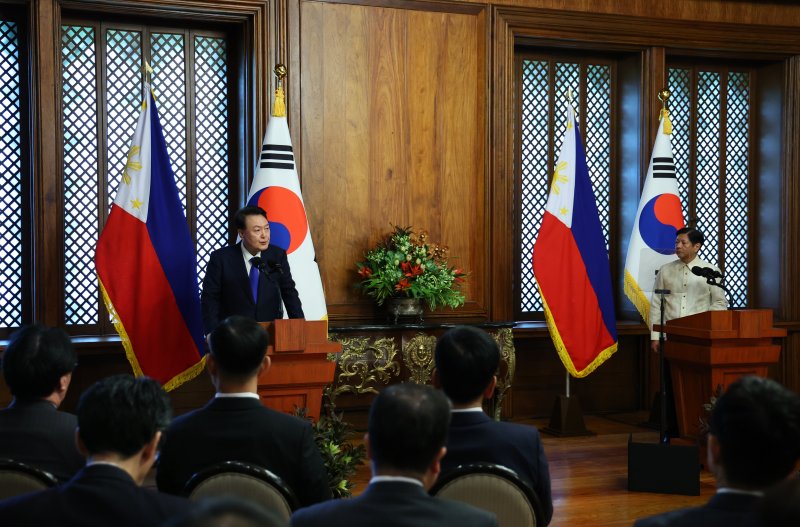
(474, 437)
(242, 429)
(99, 495)
(34, 432)
(392, 504)
(226, 288)
(722, 510)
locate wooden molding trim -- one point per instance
(570, 29)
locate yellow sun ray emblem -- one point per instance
(558, 177)
(131, 164)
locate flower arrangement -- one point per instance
(407, 265)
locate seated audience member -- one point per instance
(235, 426)
(405, 443)
(227, 512)
(780, 506)
(37, 366)
(119, 426)
(753, 443)
(466, 362)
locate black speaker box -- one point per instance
(663, 468)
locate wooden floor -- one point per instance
(589, 476)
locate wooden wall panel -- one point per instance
(392, 115)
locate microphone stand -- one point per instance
(711, 281)
(261, 265)
(663, 436)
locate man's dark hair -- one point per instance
(757, 425)
(238, 344)
(121, 414)
(466, 360)
(239, 219)
(35, 360)
(229, 511)
(408, 426)
(695, 236)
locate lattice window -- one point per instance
(81, 169)
(190, 76)
(212, 148)
(710, 109)
(11, 177)
(544, 84)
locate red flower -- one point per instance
(402, 285)
(409, 270)
(365, 272)
(458, 275)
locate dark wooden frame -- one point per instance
(555, 129)
(653, 39)
(255, 20)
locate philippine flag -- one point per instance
(652, 242)
(570, 262)
(276, 189)
(146, 264)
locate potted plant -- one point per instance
(406, 269)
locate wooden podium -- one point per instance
(301, 366)
(715, 348)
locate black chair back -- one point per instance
(246, 481)
(18, 478)
(494, 488)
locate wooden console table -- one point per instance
(374, 356)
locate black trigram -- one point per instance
(277, 156)
(663, 167)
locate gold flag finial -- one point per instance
(279, 108)
(148, 71)
(663, 95)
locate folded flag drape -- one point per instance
(276, 189)
(146, 264)
(570, 263)
(652, 242)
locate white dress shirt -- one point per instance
(689, 293)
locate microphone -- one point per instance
(706, 272)
(275, 266)
(258, 263)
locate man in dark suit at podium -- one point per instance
(37, 367)
(235, 426)
(119, 427)
(405, 443)
(234, 286)
(753, 444)
(466, 362)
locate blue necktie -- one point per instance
(254, 280)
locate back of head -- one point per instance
(121, 414)
(757, 425)
(238, 345)
(228, 511)
(466, 360)
(408, 427)
(36, 359)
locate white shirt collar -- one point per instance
(233, 395)
(466, 410)
(402, 479)
(729, 490)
